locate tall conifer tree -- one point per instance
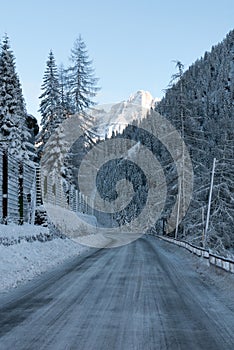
(82, 84)
(13, 114)
(50, 105)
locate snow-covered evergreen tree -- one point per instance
(78, 89)
(53, 160)
(13, 114)
(12, 101)
(55, 152)
(50, 105)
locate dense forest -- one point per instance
(201, 105)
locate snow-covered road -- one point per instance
(145, 295)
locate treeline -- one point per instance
(65, 91)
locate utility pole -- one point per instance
(178, 208)
(180, 66)
(209, 202)
(203, 226)
(4, 187)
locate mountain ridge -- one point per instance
(114, 117)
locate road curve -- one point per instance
(141, 296)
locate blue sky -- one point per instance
(132, 43)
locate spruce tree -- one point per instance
(82, 84)
(64, 91)
(13, 114)
(79, 87)
(50, 105)
(12, 101)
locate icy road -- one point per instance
(145, 295)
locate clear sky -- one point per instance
(132, 43)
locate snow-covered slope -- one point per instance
(116, 116)
(142, 98)
(27, 251)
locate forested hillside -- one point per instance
(201, 105)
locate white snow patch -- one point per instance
(72, 224)
(142, 98)
(21, 262)
(133, 151)
(114, 117)
(15, 231)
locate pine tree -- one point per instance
(82, 84)
(12, 101)
(55, 151)
(66, 103)
(50, 105)
(13, 114)
(79, 87)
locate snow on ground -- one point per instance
(105, 239)
(12, 234)
(74, 224)
(94, 240)
(22, 259)
(219, 280)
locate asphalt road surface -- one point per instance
(144, 296)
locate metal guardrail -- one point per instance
(219, 261)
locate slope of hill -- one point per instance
(201, 106)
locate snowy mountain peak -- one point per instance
(116, 116)
(142, 98)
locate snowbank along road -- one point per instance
(145, 295)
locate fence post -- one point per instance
(21, 194)
(4, 187)
(164, 220)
